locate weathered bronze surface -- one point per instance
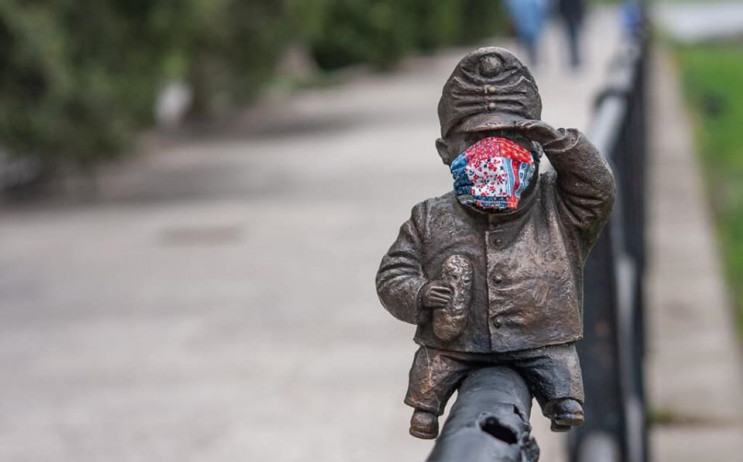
(499, 287)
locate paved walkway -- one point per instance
(216, 302)
(710, 20)
(695, 376)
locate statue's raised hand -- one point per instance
(541, 132)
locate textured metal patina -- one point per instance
(499, 288)
(528, 263)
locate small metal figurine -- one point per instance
(491, 273)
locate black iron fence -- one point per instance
(612, 350)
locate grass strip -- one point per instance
(712, 78)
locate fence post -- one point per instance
(612, 350)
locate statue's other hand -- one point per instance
(436, 294)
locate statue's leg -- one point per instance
(553, 375)
(433, 378)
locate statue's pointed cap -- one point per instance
(489, 89)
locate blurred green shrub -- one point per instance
(481, 19)
(227, 48)
(380, 32)
(437, 23)
(76, 78)
(346, 32)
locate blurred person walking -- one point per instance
(528, 19)
(571, 13)
(631, 18)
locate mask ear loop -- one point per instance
(537, 151)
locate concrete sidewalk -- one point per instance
(216, 302)
(696, 22)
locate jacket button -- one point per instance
(498, 323)
(498, 280)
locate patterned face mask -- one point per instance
(492, 173)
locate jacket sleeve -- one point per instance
(400, 277)
(585, 185)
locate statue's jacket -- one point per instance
(527, 264)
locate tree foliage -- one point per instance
(227, 48)
(381, 32)
(78, 78)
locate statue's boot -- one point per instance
(424, 425)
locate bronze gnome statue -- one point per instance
(491, 273)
